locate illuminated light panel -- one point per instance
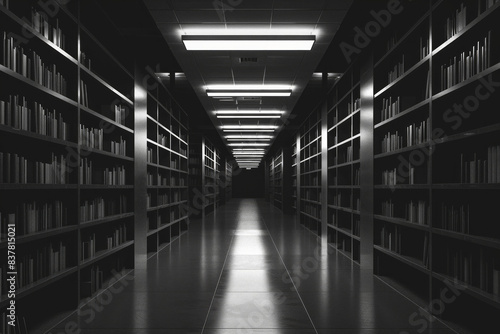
(258, 93)
(249, 139)
(263, 131)
(249, 144)
(249, 116)
(249, 112)
(234, 127)
(248, 42)
(249, 136)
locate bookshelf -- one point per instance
(205, 166)
(435, 158)
(294, 172)
(310, 172)
(227, 183)
(344, 140)
(67, 159)
(279, 186)
(167, 169)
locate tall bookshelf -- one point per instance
(294, 172)
(436, 177)
(205, 167)
(277, 180)
(227, 181)
(310, 160)
(67, 138)
(167, 169)
(343, 114)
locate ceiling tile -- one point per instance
(332, 16)
(248, 16)
(296, 16)
(199, 16)
(299, 4)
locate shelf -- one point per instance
(402, 77)
(462, 84)
(471, 290)
(468, 134)
(419, 265)
(108, 120)
(403, 186)
(403, 222)
(310, 216)
(33, 84)
(467, 28)
(22, 239)
(27, 290)
(105, 84)
(32, 186)
(403, 113)
(482, 241)
(108, 219)
(105, 253)
(35, 136)
(402, 150)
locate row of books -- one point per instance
(88, 248)
(424, 48)
(310, 195)
(392, 177)
(415, 134)
(312, 210)
(91, 137)
(481, 171)
(18, 169)
(489, 278)
(21, 327)
(84, 94)
(94, 283)
(417, 212)
(85, 61)
(456, 23)
(30, 65)
(118, 237)
(52, 32)
(391, 239)
(454, 218)
(352, 107)
(397, 71)
(99, 208)
(16, 113)
(119, 147)
(40, 263)
(310, 180)
(149, 155)
(115, 176)
(34, 217)
(120, 114)
(467, 64)
(393, 106)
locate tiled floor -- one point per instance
(250, 269)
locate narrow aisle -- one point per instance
(250, 269)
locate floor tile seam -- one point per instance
(217, 286)
(288, 273)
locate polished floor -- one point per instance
(249, 269)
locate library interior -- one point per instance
(249, 166)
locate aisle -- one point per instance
(249, 269)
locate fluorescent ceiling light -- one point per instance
(249, 139)
(248, 149)
(260, 30)
(249, 112)
(248, 144)
(248, 42)
(249, 127)
(249, 116)
(249, 87)
(258, 93)
(248, 136)
(253, 131)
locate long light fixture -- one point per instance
(248, 149)
(248, 90)
(248, 136)
(249, 144)
(248, 116)
(248, 127)
(249, 112)
(244, 93)
(253, 131)
(249, 139)
(248, 42)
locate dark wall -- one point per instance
(248, 183)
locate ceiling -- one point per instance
(290, 68)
